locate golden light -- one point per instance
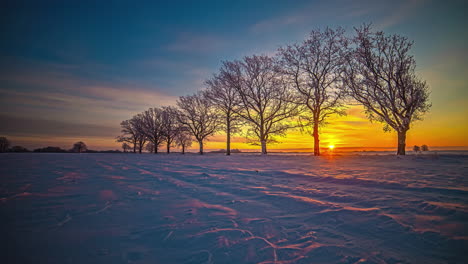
(331, 147)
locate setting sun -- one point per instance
(331, 147)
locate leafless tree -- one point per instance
(170, 125)
(199, 115)
(150, 147)
(4, 144)
(226, 99)
(125, 147)
(424, 148)
(266, 102)
(153, 126)
(416, 148)
(133, 133)
(137, 123)
(183, 139)
(79, 147)
(380, 75)
(314, 68)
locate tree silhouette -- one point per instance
(4, 144)
(79, 147)
(266, 102)
(314, 68)
(380, 74)
(153, 127)
(199, 116)
(424, 148)
(416, 148)
(227, 100)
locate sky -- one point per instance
(73, 70)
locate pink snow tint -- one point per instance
(117, 208)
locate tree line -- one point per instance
(301, 86)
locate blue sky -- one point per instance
(74, 69)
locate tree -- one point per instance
(19, 149)
(170, 125)
(266, 102)
(424, 148)
(79, 147)
(133, 133)
(227, 101)
(380, 74)
(153, 127)
(125, 147)
(199, 115)
(416, 148)
(129, 134)
(183, 139)
(4, 144)
(314, 68)
(150, 147)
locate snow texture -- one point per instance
(246, 208)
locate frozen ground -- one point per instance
(118, 208)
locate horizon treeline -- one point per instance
(301, 86)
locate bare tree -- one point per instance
(227, 100)
(170, 125)
(314, 68)
(150, 147)
(4, 144)
(381, 75)
(199, 115)
(424, 148)
(416, 148)
(137, 122)
(79, 147)
(125, 147)
(153, 127)
(133, 132)
(265, 98)
(183, 139)
(129, 134)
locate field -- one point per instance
(246, 208)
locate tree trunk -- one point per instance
(316, 139)
(200, 142)
(228, 137)
(401, 143)
(264, 148)
(134, 147)
(155, 149)
(168, 146)
(183, 149)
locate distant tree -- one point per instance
(199, 116)
(126, 147)
(226, 99)
(19, 149)
(313, 68)
(153, 127)
(380, 74)
(133, 133)
(4, 144)
(416, 148)
(138, 124)
(129, 134)
(266, 102)
(170, 125)
(183, 139)
(424, 148)
(79, 147)
(50, 149)
(150, 147)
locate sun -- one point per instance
(331, 147)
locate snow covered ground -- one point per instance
(246, 208)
